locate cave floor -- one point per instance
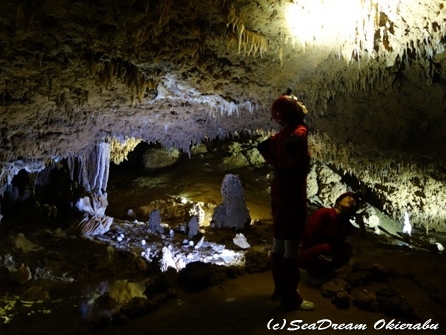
(235, 306)
(242, 305)
(71, 274)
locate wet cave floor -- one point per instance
(82, 286)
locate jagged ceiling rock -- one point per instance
(372, 73)
(74, 72)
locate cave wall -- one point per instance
(75, 74)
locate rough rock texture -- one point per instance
(158, 158)
(155, 222)
(76, 73)
(232, 212)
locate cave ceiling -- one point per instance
(75, 73)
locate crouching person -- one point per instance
(324, 247)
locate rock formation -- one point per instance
(79, 78)
(232, 212)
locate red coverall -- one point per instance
(287, 152)
(325, 234)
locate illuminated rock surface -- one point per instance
(76, 74)
(85, 83)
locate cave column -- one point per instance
(91, 171)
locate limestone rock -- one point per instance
(240, 241)
(192, 227)
(334, 286)
(158, 158)
(22, 243)
(35, 293)
(154, 222)
(393, 304)
(232, 212)
(366, 300)
(198, 275)
(341, 299)
(21, 275)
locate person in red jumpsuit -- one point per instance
(324, 247)
(287, 152)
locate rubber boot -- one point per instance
(291, 298)
(277, 271)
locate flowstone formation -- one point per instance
(82, 83)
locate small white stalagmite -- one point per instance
(407, 228)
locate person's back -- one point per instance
(287, 152)
(290, 148)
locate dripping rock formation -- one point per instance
(77, 74)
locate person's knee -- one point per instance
(292, 249)
(278, 246)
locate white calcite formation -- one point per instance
(95, 222)
(232, 212)
(240, 241)
(197, 211)
(91, 170)
(373, 82)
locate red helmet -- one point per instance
(285, 107)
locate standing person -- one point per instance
(287, 152)
(324, 246)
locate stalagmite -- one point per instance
(232, 212)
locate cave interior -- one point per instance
(121, 120)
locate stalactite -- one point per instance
(251, 41)
(91, 170)
(137, 80)
(9, 170)
(425, 196)
(392, 19)
(120, 148)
